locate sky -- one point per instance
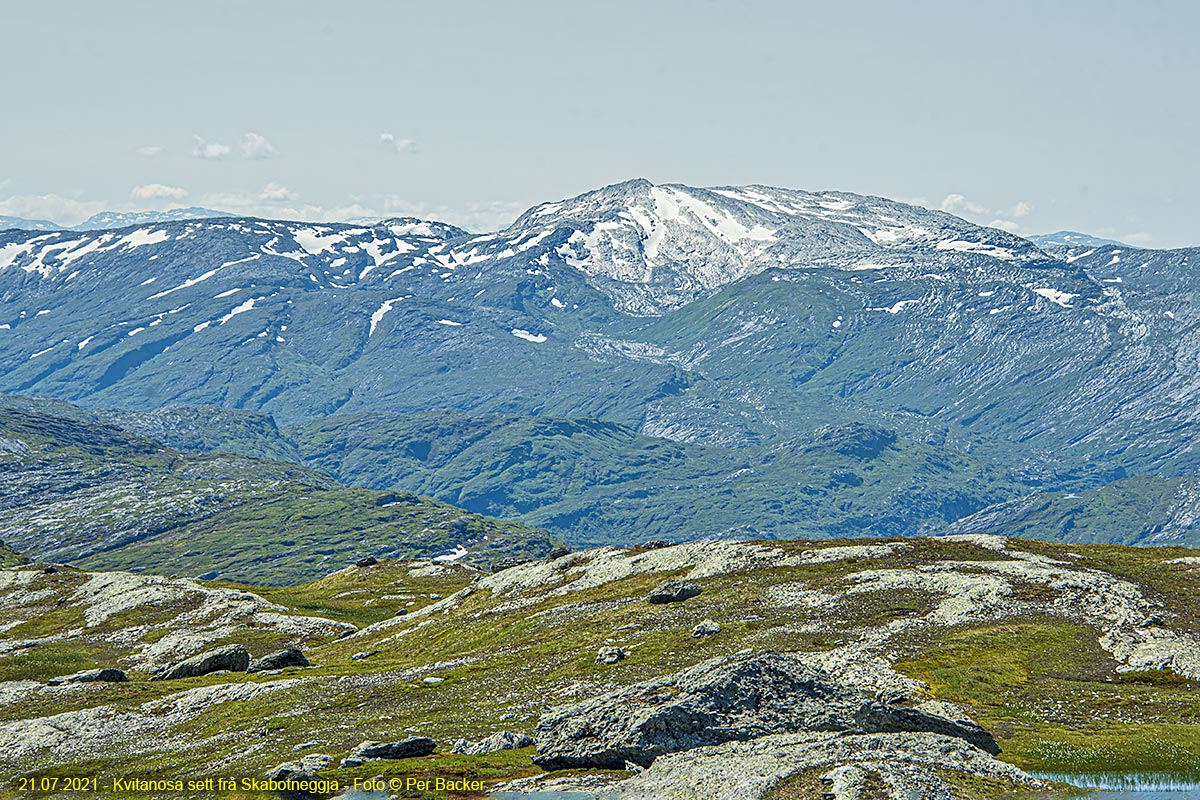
(1031, 116)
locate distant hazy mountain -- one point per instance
(107, 220)
(10, 223)
(1072, 239)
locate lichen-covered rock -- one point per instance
(674, 592)
(705, 628)
(409, 748)
(106, 675)
(504, 740)
(289, 657)
(234, 658)
(730, 698)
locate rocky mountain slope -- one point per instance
(88, 493)
(919, 658)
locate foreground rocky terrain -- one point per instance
(949, 668)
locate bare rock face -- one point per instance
(289, 657)
(234, 658)
(730, 698)
(910, 765)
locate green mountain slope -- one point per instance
(596, 482)
(93, 494)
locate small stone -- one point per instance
(350, 762)
(435, 597)
(705, 628)
(401, 612)
(369, 561)
(610, 655)
(50, 570)
(506, 717)
(656, 544)
(674, 592)
(557, 553)
(501, 564)
(304, 746)
(361, 656)
(432, 679)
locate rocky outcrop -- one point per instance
(504, 740)
(730, 698)
(289, 657)
(106, 675)
(234, 658)
(674, 592)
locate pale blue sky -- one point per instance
(1038, 116)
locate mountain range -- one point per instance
(645, 360)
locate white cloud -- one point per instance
(274, 192)
(1139, 238)
(1023, 208)
(63, 210)
(150, 150)
(957, 204)
(210, 151)
(158, 191)
(400, 145)
(1005, 225)
(255, 146)
(1002, 218)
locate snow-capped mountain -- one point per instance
(655, 248)
(727, 315)
(108, 220)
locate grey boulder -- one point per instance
(706, 628)
(730, 698)
(106, 675)
(674, 592)
(504, 740)
(303, 770)
(409, 748)
(290, 657)
(610, 655)
(234, 658)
